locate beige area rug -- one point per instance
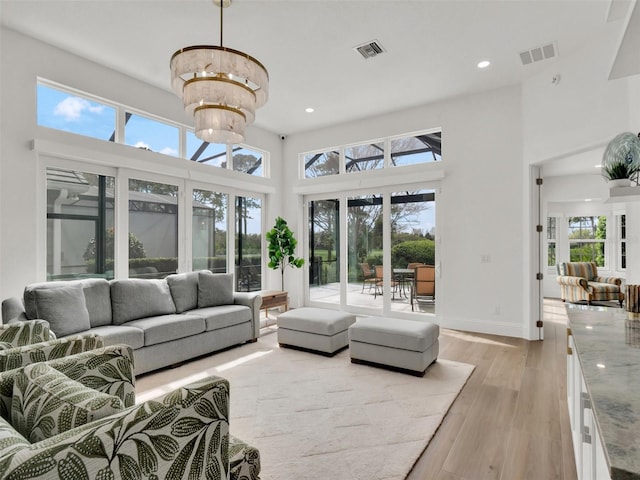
(314, 417)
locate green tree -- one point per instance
(136, 248)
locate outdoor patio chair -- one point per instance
(368, 276)
(424, 284)
(380, 283)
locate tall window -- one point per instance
(209, 226)
(80, 228)
(153, 229)
(248, 259)
(364, 241)
(551, 241)
(587, 238)
(324, 248)
(413, 231)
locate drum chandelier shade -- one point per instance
(220, 86)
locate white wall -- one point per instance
(583, 110)
(479, 205)
(22, 191)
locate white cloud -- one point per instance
(141, 144)
(71, 108)
(169, 151)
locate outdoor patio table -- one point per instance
(403, 276)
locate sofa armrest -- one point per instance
(108, 369)
(573, 281)
(13, 310)
(184, 434)
(25, 333)
(611, 280)
(252, 300)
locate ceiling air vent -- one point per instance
(538, 54)
(370, 49)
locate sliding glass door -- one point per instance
(383, 237)
(324, 250)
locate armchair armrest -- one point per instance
(183, 434)
(253, 301)
(573, 281)
(611, 280)
(108, 369)
(50, 350)
(24, 333)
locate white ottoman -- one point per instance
(315, 329)
(406, 345)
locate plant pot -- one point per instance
(620, 182)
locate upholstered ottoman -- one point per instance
(406, 345)
(316, 329)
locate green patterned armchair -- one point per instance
(30, 341)
(579, 281)
(75, 417)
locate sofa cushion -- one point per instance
(117, 334)
(64, 308)
(184, 290)
(135, 298)
(166, 328)
(223, 316)
(214, 289)
(96, 293)
(46, 402)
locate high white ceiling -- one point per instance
(432, 47)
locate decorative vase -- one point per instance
(620, 182)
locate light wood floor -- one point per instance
(510, 422)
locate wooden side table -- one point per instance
(272, 299)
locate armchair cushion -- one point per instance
(46, 402)
(64, 308)
(214, 289)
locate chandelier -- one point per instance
(220, 87)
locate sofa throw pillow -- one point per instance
(184, 290)
(64, 308)
(214, 289)
(135, 298)
(46, 402)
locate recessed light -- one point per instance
(598, 166)
(588, 199)
(601, 365)
(484, 64)
(309, 110)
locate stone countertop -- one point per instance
(608, 348)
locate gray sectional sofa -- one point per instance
(165, 321)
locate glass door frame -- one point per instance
(343, 196)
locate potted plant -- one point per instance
(621, 159)
(282, 248)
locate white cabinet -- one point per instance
(591, 463)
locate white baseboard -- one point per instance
(483, 326)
